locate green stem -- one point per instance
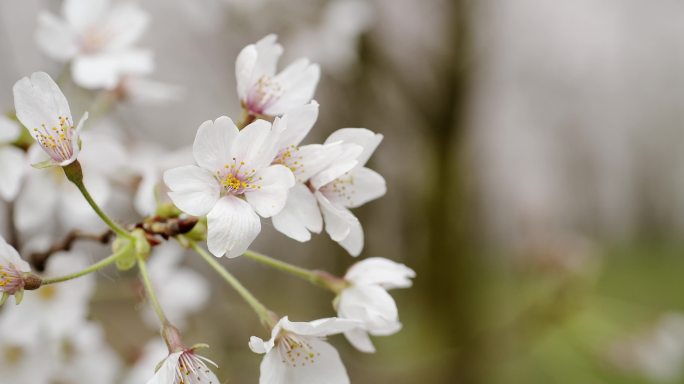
(95, 267)
(74, 173)
(265, 315)
(319, 278)
(149, 292)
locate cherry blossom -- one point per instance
(232, 182)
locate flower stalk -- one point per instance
(151, 295)
(319, 278)
(95, 267)
(266, 316)
(74, 173)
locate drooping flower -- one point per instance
(97, 37)
(261, 90)
(102, 159)
(232, 182)
(185, 367)
(341, 183)
(366, 299)
(297, 352)
(42, 108)
(12, 269)
(12, 159)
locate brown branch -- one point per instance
(39, 259)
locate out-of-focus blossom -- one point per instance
(141, 90)
(97, 37)
(47, 193)
(367, 300)
(298, 353)
(42, 108)
(12, 159)
(341, 183)
(152, 353)
(85, 357)
(149, 162)
(181, 291)
(12, 269)
(657, 354)
(334, 41)
(185, 367)
(232, 182)
(53, 311)
(28, 361)
(261, 90)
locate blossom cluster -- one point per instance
(236, 174)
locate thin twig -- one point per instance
(39, 259)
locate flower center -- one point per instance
(236, 180)
(289, 157)
(263, 94)
(192, 369)
(10, 279)
(56, 141)
(95, 39)
(340, 189)
(296, 351)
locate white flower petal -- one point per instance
(84, 13)
(167, 372)
(300, 215)
(320, 327)
(56, 38)
(360, 340)
(36, 201)
(244, 66)
(255, 145)
(105, 71)
(12, 169)
(327, 367)
(258, 345)
(380, 271)
(312, 159)
(38, 100)
(232, 226)
(299, 80)
(125, 23)
(345, 162)
(268, 54)
(369, 304)
(338, 220)
(9, 255)
(9, 130)
(213, 143)
(360, 136)
(300, 120)
(353, 243)
(194, 190)
(361, 185)
(273, 185)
